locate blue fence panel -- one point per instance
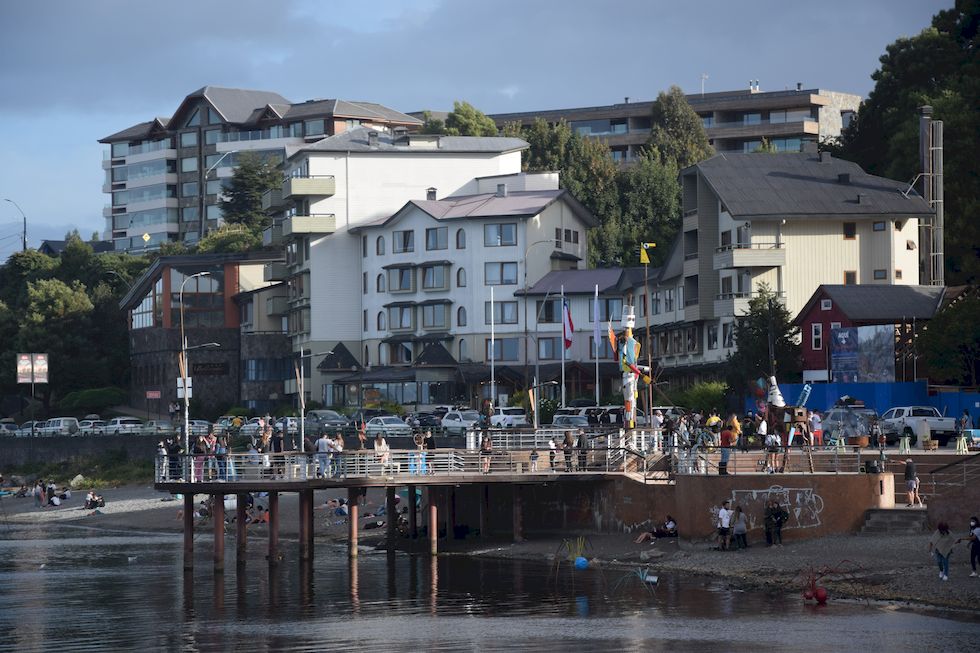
(952, 404)
(880, 396)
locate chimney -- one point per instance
(400, 135)
(862, 198)
(501, 190)
(372, 139)
(825, 157)
(430, 194)
(932, 249)
(627, 99)
(799, 86)
(844, 178)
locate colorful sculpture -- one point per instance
(629, 355)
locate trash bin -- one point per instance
(871, 467)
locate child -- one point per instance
(534, 459)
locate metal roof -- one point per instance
(356, 140)
(577, 282)
(884, 303)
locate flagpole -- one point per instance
(493, 354)
(595, 337)
(563, 346)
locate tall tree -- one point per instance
(467, 120)
(939, 67)
(243, 198)
(950, 344)
(431, 124)
(677, 132)
(766, 314)
(650, 208)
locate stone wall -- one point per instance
(21, 451)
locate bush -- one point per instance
(547, 408)
(92, 400)
(393, 408)
(706, 395)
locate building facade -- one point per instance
(165, 176)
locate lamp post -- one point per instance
(204, 188)
(535, 408)
(527, 334)
(299, 371)
(183, 360)
(23, 216)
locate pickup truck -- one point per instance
(902, 420)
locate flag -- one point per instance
(612, 339)
(596, 337)
(568, 329)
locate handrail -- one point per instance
(756, 245)
(961, 461)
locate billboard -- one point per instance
(863, 354)
(32, 368)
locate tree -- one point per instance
(650, 208)
(229, 239)
(677, 132)
(243, 198)
(431, 125)
(939, 67)
(467, 120)
(950, 343)
(751, 357)
(765, 147)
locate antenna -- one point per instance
(704, 76)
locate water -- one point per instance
(81, 589)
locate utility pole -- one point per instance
(645, 260)
(25, 221)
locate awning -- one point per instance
(399, 266)
(399, 304)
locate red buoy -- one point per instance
(820, 594)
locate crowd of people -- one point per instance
(47, 495)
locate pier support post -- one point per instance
(484, 502)
(273, 528)
(353, 506)
(518, 514)
(240, 501)
(188, 531)
(413, 530)
(305, 525)
(391, 513)
(433, 522)
(218, 519)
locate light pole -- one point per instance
(535, 407)
(183, 360)
(23, 216)
(300, 374)
(527, 334)
(204, 189)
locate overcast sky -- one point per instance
(73, 71)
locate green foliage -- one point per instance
(706, 395)
(111, 468)
(520, 399)
(431, 125)
(229, 239)
(939, 67)
(243, 198)
(393, 408)
(649, 199)
(169, 248)
(92, 400)
(950, 343)
(751, 360)
(467, 120)
(765, 147)
(547, 407)
(677, 132)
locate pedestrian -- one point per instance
(221, 454)
(724, 525)
(770, 522)
(941, 546)
(740, 528)
(974, 539)
(552, 452)
(583, 447)
(486, 453)
(781, 516)
(321, 454)
(568, 448)
(816, 428)
(727, 440)
(534, 459)
(199, 449)
(910, 477)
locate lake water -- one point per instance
(81, 589)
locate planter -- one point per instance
(858, 441)
(930, 445)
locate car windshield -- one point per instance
(924, 412)
(470, 415)
(390, 420)
(513, 411)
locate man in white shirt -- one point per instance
(724, 525)
(816, 428)
(321, 455)
(657, 425)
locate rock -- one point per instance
(654, 554)
(77, 482)
(17, 481)
(644, 555)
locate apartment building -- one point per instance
(165, 176)
(735, 121)
(792, 221)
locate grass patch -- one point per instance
(111, 468)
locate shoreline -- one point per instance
(893, 570)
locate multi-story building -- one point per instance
(159, 172)
(735, 121)
(790, 221)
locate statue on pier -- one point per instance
(629, 355)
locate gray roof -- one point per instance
(56, 247)
(884, 303)
(800, 185)
(577, 282)
(356, 140)
(350, 109)
(236, 104)
(138, 131)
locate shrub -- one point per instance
(705, 396)
(92, 400)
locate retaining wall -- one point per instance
(20, 451)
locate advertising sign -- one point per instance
(32, 368)
(40, 368)
(863, 354)
(152, 394)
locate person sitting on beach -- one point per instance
(668, 529)
(93, 500)
(65, 493)
(22, 492)
(261, 517)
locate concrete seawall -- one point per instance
(21, 451)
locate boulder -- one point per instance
(77, 482)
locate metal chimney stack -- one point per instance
(932, 255)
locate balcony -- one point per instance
(272, 235)
(690, 220)
(276, 305)
(272, 199)
(315, 186)
(317, 224)
(737, 303)
(274, 272)
(749, 255)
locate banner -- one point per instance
(32, 368)
(863, 354)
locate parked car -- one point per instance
(60, 426)
(288, 425)
(850, 421)
(424, 420)
(670, 412)
(456, 422)
(363, 415)
(32, 427)
(251, 428)
(571, 410)
(570, 421)
(124, 426)
(223, 424)
(8, 428)
(319, 420)
(613, 416)
(508, 418)
(387, 425)
(158, 427)
(91, 427)
(198, 427)
(902, 420)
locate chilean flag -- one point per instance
(568, 329)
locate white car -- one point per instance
(252, 428)
(124, 426)
(60, 426)
(27, 429)
(457, 422)
(903, 420)
(91, 427)
(8, 428)
(288, 425)
(199, 426)
(158, 427)
(509, 418)
(387, 425)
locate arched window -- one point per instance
(382, 321)
(379, 246)
(464, 354)
(460, 239)
(461, 316)
(381, 283)
(461, 278)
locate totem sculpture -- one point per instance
(628, 363)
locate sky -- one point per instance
(74, 71)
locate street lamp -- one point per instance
(526, 330)
(535, 407)
(297, 368)
(23, 216)
(204, 189)
(183, 360)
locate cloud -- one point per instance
(509, 91)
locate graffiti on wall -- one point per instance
(803, 505)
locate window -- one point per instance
(464, 353)
(401, 279)
(712, 336)
(503, 312)
(669, 300)
(816, 336)
(752, 119)
(188, 139)
(212, 136)
(605, 349)
(898, 274)
(434, 277)
(850, 230)
(364, 314)
(850, 278)
(655, 303)
(834, 325)
(880, 275)
(557, 237)
(402, 352)
(460, 240)
(188, 164)
(878, 226)
(400, 317)
(189, 189)
(381, 283)
(503, 349)
(548, 349)
(826, 304)
(609, 309)
(364, 282)
(194, 120)
(437, 238)
(364, 246)
(500, 235)
(382, 355)
(548, 312)
(379, 246)
(461, 316)
(728, 335)
(693, 337)
(382, 321)
(314, 127)
(434, 316)
(402, 241)
(461, 278)
(500, 274)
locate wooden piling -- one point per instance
(240, 531)
(273, 528)
(391, 516)
(188, 531)
(218, 519)
(353, 507)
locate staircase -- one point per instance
(897, 521)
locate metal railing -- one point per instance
(959, 474)
(792, 460)
(753, 245)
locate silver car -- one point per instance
(387, 425)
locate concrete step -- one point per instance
(898, 521)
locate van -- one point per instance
(60, 426)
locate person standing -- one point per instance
(727, 439)
(910, 477)
(583, 447)
(199, 449)
(321, 454)
(780, 516)
(552, 452)
(740, 528)
(724, 525)
(657, 426)
(770, 522)
(816, 428)
(941, 546)
(974, 539)
(486, 453)
(568, 449)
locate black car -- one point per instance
(424, 421)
